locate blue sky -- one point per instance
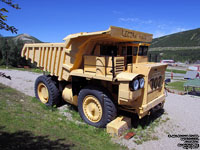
(52, 20)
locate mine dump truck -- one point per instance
(100, 73)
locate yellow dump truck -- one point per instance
(100, 72)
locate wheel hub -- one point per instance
(92, 108)
(43, 93)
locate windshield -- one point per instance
(143, 51)
(128, 51)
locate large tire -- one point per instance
(96, 107)
(46, 91)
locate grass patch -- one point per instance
(176, 71)
(24, 118)
(35, 70)
(176, 85)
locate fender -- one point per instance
(126, 76)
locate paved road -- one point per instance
(176, 76)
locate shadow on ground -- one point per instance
(195, 93)
(135, 121)
(21, 140)
(145, 121)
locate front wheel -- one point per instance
(96, 107)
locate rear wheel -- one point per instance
(46, 91)
(96, 107)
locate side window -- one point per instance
(129, 50)
(124, 52)
(135, 51)
(143, 51)
(129, 54)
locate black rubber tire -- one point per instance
(108, 107)
(54, 94)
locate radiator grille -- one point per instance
(119, 64)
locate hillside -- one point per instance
(10, 49)
(181, 46)
(24, 38)
(181, 39)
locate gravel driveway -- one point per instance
(183, 113)
(21, 80)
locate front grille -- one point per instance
(119, 64)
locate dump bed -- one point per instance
(49, 56)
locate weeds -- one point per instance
(35, 70)
(29, 115)
(146, 128)
(176, 71)
(176, 85)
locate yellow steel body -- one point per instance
(68, 96)
(79, 56)
(118, 126)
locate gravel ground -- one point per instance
(183, 113)
(20, 80)
(184, 118)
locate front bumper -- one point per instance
(146, 108)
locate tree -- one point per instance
(3, 24)
(5, 52)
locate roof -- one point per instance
(191, 75)
(192, 83)
(113, 33)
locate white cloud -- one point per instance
(158, 34)
(135, 20)
(129, 19)
(178, 29)
(168, 30)
(162, 26)
(116, 12)
(158, 28)
(148, 22)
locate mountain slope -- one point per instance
(181, 39)
(10, 49)
(25, 38)
(182, 46)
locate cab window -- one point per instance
(129, 52)
(143, 51)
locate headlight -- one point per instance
(141, 81)
(135, 85)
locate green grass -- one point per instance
(176, 85)
(21, 114)
(176, 71)
(36, 70)
(24, 118)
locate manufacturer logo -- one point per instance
(131, 34)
